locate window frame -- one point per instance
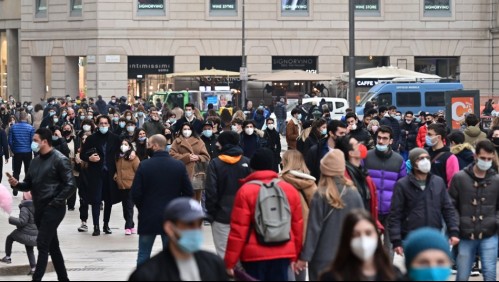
(399, 97)
(375, 14)
(384, 93)
(75, 13)
(442, 15)
(434, 92)
(41, 13)
(223, 14)
(299, 15)
(151, 15)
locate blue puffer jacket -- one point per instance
(20, 137)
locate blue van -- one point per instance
(415, 97)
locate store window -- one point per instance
(437, 8)
(445, 67)
(76, 8)
(3, 65)
(151, 7)
(367, 8)
(365, 62)
(295, 7)
(41, 8)
(223, 7)
(148, 75)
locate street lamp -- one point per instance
(351, 67)
(244, 69)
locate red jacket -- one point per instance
(239, 247)
(374, 199)
(421, 139)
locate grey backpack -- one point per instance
(272, 214)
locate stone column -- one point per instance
(13, 63)
(72, 76)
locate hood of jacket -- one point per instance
(26, 204)
(461, 147)
(299, 180)
(472, 131)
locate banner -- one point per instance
(223, 5)
(151, 4)
(294, 63)
(294, 5)
(366, 5)
(143, 65)
(459, 104)
(437, 5)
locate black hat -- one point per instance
(263, 159)
(228, 137)
(183, 209)
(207, 123)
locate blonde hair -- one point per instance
(293, 160)
(239, 115)
(327, 188)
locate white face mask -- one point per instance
(249, 131)
(364, 247)
(188, 114)
(483, 165)
(187, 133)
(424, 165)
(234, 128)
(354, 127)
(86, 127)
(270, 126)
(124, 148)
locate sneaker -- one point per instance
(6, 260)
(475, 271)
(128, 232)
(454, 269)
(83, 228)
(31, 272)
(134, 230)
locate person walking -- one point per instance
(385, 167)
(20, 137)
(222, 184)
(334, 199)
(151, 197)
(153, 126)
(361, 256)
(318, 132)
(37, 116)
(190, 149)
(25, 233)
(182, 259)
(357, 131)
(463, 151)
(101, 105)
(125, 173)
(293, 129)
(475, 194)
(444, 163)
(281, 115)
(4, 150)
(99, 152)
(249, 139)
(408, 134)
(81, 179)
(273, 142)
(472, 133)
(51, 182)
(188, 117)
(210, 139)
(421, 199)
(265, 262)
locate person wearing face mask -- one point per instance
(427, 256)
(423, 130)
(20, 137)
(409, 132)
(421, 199)
(87, 126)
(150, 196)
(390, 120)
(385, 167)
(73, 144)
(249, 141)
(273, 142)
(191, 150)
(52, 105)
(472, 133)
(494, 137)
(51, 182)
(372, 128)
(129, 134)
(444, 163)
(189, 117)
(475, 194)
(48, 120)
(125, 172)
(318, 132)
(357, 131)
(171, 121)
(115, 122)
(236, 126)
(169, 139)
(355, 153)
(141, 116)
(37, 116)
(293, 129)
(210, 139)
(140, 144)
(182, 259)
(361, 256)
(121, 128)
(154, 126)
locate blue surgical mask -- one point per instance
(142, 139)
(382, 148)
(299, 117)
(55, 138)
(168, 148)
(430, 274)
(208, 133)
(51, 113)
(64, 115)
(418, 120)
(429, 142)
(130, 129)
(82, 117)
(35, 147)
(324, 131)
(122, 124)
(190, 240)
(483, 165)
(115, 119)
(140, 114)
(103, 130)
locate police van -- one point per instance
(408, 96)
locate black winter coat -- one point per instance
(408, 135)
(222, 183)
(163, 267)
(157, 182)
(211, 146)
(395, 125)
(477, 203)
(61, 146)
(50, 180)
(313, 159)
(311, 141)
(413, 208)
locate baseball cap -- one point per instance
(183, 209)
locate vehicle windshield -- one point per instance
(366, 98)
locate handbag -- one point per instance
(199, 176)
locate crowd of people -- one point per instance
(343, 198)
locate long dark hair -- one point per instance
(347, 266)
(315, 127)
(130, 150)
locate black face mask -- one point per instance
(150, 152)
(429, 122)
(168, 136)
(66, 133)
(495, 141)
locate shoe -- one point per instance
(96, 230)
(83, 228)
(454, 269)
(128, 232)
(107, 230)
(31, 272)
(6, 260)
(475, 271)
(134, 230)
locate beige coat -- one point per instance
(293, 130)
(125, 172)
(37, 119)
(182, 149)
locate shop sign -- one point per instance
(437, 5)
(223, 5)
(294, 5)
(142, 65)
(151, 4)
(366, 5)
(366, 82)
(294, 63)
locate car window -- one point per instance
(435, 99)
(408, 99)
(383, 99)
(338, 105)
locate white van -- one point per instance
(338, 106)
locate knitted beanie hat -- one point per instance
(424, 239)
(228, 137)
(263, 159)
(333, 163)
(414, 155)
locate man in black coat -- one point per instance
(408, 134)
(180, 261)
(101, 105)
(189, 117)
(390, 121)
(157, 182)
(210, 139)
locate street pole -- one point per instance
(351, 68)
(244, 78)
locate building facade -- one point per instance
(120, 47)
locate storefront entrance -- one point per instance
(148, 74)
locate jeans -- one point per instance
(268, 270)
(386, 237)
(106, 197)
(488, 254)
(280, 128)
(146, 242)
(47, 220)
(220, 233)
(127, 203)
(29, 249)
(17, 161)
